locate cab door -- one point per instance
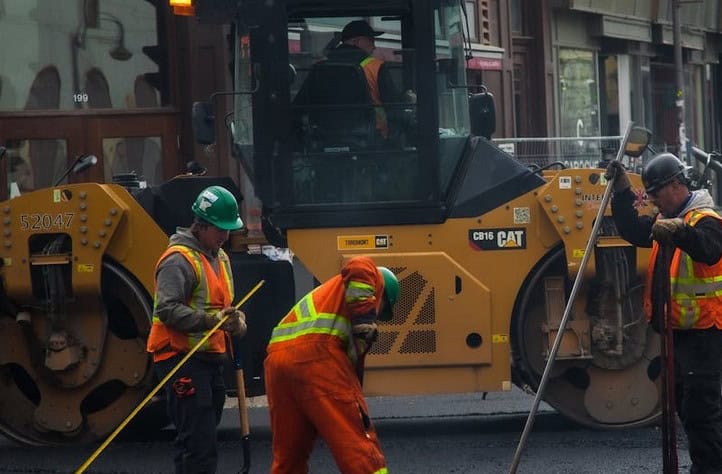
(313, 165)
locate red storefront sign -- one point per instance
(485, 64)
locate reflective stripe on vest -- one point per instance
(359, 291)
(212, 293)
(371, 67)
(696, 288)
(303, 319)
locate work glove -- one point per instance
(364, 335)
(616, 168)
(235, 324)
(666, 231)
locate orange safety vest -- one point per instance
(696, 288)
(371, 67)
(326, 310)
(213, 293)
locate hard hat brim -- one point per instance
(230, 225)
(387, 313)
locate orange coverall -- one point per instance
(311, 380)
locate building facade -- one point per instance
(117, 78)
(608, 62)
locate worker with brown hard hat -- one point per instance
(194, 290)
(687, 223)
(314, 366)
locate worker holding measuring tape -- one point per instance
(194, 291)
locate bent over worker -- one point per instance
(687, 222)
(194, 290)
(313, 368)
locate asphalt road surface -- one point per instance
(439, 434)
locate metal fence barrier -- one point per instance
(574, 152)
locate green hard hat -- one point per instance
(218, 206)
(391, 293)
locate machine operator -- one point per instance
(357, 44)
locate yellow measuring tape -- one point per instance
(175, 369)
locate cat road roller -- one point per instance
(486, 247)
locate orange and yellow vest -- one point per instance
(213, 293)
(324, 312)
(696, 288)
(371, 67)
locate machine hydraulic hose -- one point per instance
(160, 385)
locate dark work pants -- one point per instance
(698, 374)
(195, 416)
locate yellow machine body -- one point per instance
(78, 267)
(463, 285)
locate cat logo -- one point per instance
(362, 242)
(497, 239)
(381, 241)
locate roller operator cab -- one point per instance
(485, 248)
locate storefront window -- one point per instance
(578, 93)
(79, 54)
(34, 164)
(517, 17)
(133, 155)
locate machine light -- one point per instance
(182, 7)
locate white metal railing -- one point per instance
(574, 152)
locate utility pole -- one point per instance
(679, 73)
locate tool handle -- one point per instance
(663, 308)
(242, 403)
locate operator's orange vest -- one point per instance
(696, 288)
(213, 293)
(323, 314)
(371, 67)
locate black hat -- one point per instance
(359, 28)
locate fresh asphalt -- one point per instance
(464, 433)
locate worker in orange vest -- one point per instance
(357, 45)
(194, 290)
(687, 222)
(313, 370)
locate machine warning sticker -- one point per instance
(362, 242)
(61, 195)
(86, 268)
(565, 182)
(497, 239)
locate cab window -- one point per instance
(352, 110)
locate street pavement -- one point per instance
(460, 433)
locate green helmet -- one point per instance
(217, 206)
(391, 293)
